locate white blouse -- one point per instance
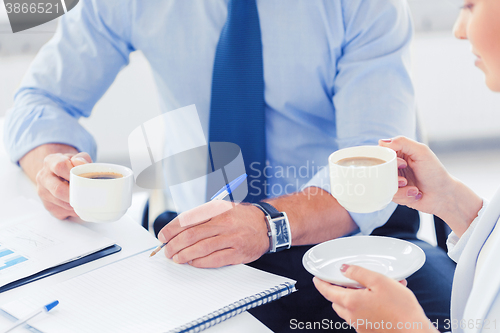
(477, 292)
(487, 248)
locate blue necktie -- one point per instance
(237, 104)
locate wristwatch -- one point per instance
(280, 237)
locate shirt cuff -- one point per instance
(366, 222)
(455, 244)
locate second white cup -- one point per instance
(364, 189)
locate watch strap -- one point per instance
(269, 232)
(271, 214)
(269, 209)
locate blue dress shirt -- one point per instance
(336, 75)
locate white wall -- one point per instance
(434, 15)
(453, 100)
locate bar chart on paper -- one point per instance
(17, 237)
(9, 258)
(36, 241)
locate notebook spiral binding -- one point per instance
(236, 308)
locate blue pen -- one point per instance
(226, 190)
(221, 194)
(46, 308)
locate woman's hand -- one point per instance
(423, 180)
(384, 305)
(425, 185)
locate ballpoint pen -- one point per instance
(45, 308)
(220, 195)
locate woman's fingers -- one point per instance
(334, 294)
(408, 147)
(384, 300)
(407, 195)
(402, 163)
(367, 278)
(402, 181)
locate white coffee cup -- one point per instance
(100, 200)
(364, 189)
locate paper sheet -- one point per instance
(142, 294)
(32, 240)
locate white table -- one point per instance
(127, 233)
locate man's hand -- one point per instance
(239, 235)
(49, 166)
(52, 182)
(204, 212)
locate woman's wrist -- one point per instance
(460, 207)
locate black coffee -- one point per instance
(101, 175)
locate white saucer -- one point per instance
(392, 257)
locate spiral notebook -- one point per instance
(142, 294)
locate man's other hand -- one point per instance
(238, 235)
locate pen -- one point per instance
(220, 195)
(45, 308)
(227, 189)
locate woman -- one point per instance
(386, 305)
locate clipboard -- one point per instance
(62, 267)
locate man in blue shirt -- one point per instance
(336, 75)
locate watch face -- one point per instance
(281, 232)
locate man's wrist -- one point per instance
(278, 227)
(268, 229)
(32, 162)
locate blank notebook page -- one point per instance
(142, 294)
